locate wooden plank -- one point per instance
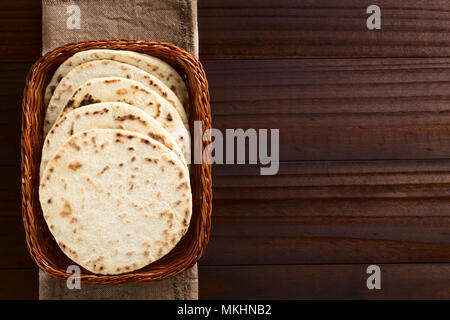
(325, 109)
(10, 186)
(313, 211)
(331, 193)
(10, 144)
(19, 284)
(298, 237)
(276, 29)
(321, 28)
(12, 78)
(295, 240)
(415, 181)
(326, 207)
(286, 282)
(20, 30)
(13, 243)
(394, 179)
(336, 173)
(327, 240)
(360, 110)
(408, 281)
(338, 109)
(307, 222)
(314, 86)
(412, 181)
(302, 181)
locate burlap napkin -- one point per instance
(174, 21)
(183, 287)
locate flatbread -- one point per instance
(160, 69)
(118, 208)
(105, 68)
(134, 93)
(108, 115)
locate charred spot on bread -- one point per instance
(88, 99)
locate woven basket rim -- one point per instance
(193, 73)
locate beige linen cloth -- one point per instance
(173, 21)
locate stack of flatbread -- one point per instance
(114, 179)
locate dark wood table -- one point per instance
(364, 119)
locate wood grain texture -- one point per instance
(19, 284)
(12, 78)
(338, 109)
(14, 247)
(294, 218)
(328, 207)
(322, 28)
(253, 240)
(326, 109)
(364, 177)
(276, 29)
(399, 281)
(386, 179)
(20, 30)
(323, 211)
(327, 240)
(421, 188)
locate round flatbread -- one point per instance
(108, 115)
(118, 208)
(134, 93)
(160, 69)
(105, 68)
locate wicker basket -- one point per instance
(41, 244)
